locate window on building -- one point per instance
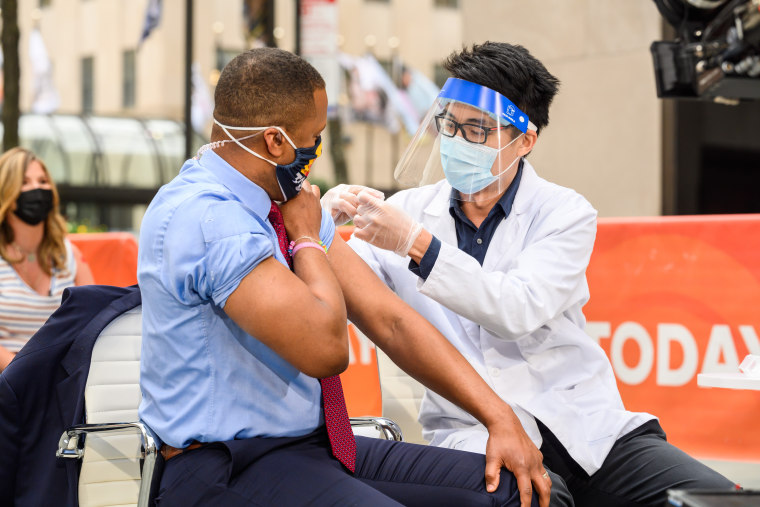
(440, 74)
(130, 82)
(45, 3)
(387, 65)
(453, 4)
(225, 56)
(88, 84)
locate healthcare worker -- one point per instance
(495, 257)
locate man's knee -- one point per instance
(701, 476)
(508, 494)
(561, 496)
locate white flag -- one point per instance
(202, 107)
(152, 18)
(45, 99)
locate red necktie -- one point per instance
(334, 404)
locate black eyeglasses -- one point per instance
(471, 132)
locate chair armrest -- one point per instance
(387, 428)
(70, 445)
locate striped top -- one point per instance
(22, 310)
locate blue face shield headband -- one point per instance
(490, 101)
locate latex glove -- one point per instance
(341, 201)
(384, 226)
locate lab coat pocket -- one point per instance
(579, 390)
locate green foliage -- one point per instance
(322, 184)
(85, 226)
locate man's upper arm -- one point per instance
(261, 298)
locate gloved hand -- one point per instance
(341, 201)
(384, 226)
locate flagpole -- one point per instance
(11, 75)
(298, 28)
(188, 77)
(269, 34)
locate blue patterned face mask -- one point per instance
(467, 166)
(291, 176)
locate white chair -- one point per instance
(401, 396)
(119, 458)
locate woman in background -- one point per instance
(36, 261)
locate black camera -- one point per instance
(716, 53)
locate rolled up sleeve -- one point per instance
(236, 242)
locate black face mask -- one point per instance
(33, 206)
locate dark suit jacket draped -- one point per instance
(42, 394)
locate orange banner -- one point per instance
(112, 256)
(361, 382)
(672, 297)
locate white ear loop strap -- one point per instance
(246, 148)
(218, 144)
(516, 159)
(228, 127)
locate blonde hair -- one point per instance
(52, 251)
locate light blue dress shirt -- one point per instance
(202, 377)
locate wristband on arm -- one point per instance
(313, 243)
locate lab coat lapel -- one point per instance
(529, 184)
(509, 237)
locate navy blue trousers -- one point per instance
(302, 471)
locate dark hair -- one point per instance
(510, 70)
(265, 86)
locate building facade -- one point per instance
(610, 137)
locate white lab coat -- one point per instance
(517, 319)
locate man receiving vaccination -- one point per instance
(246, 289)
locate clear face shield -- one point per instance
(470, 136)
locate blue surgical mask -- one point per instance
(291, 176)
(467, 165)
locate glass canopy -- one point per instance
(106, 168)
